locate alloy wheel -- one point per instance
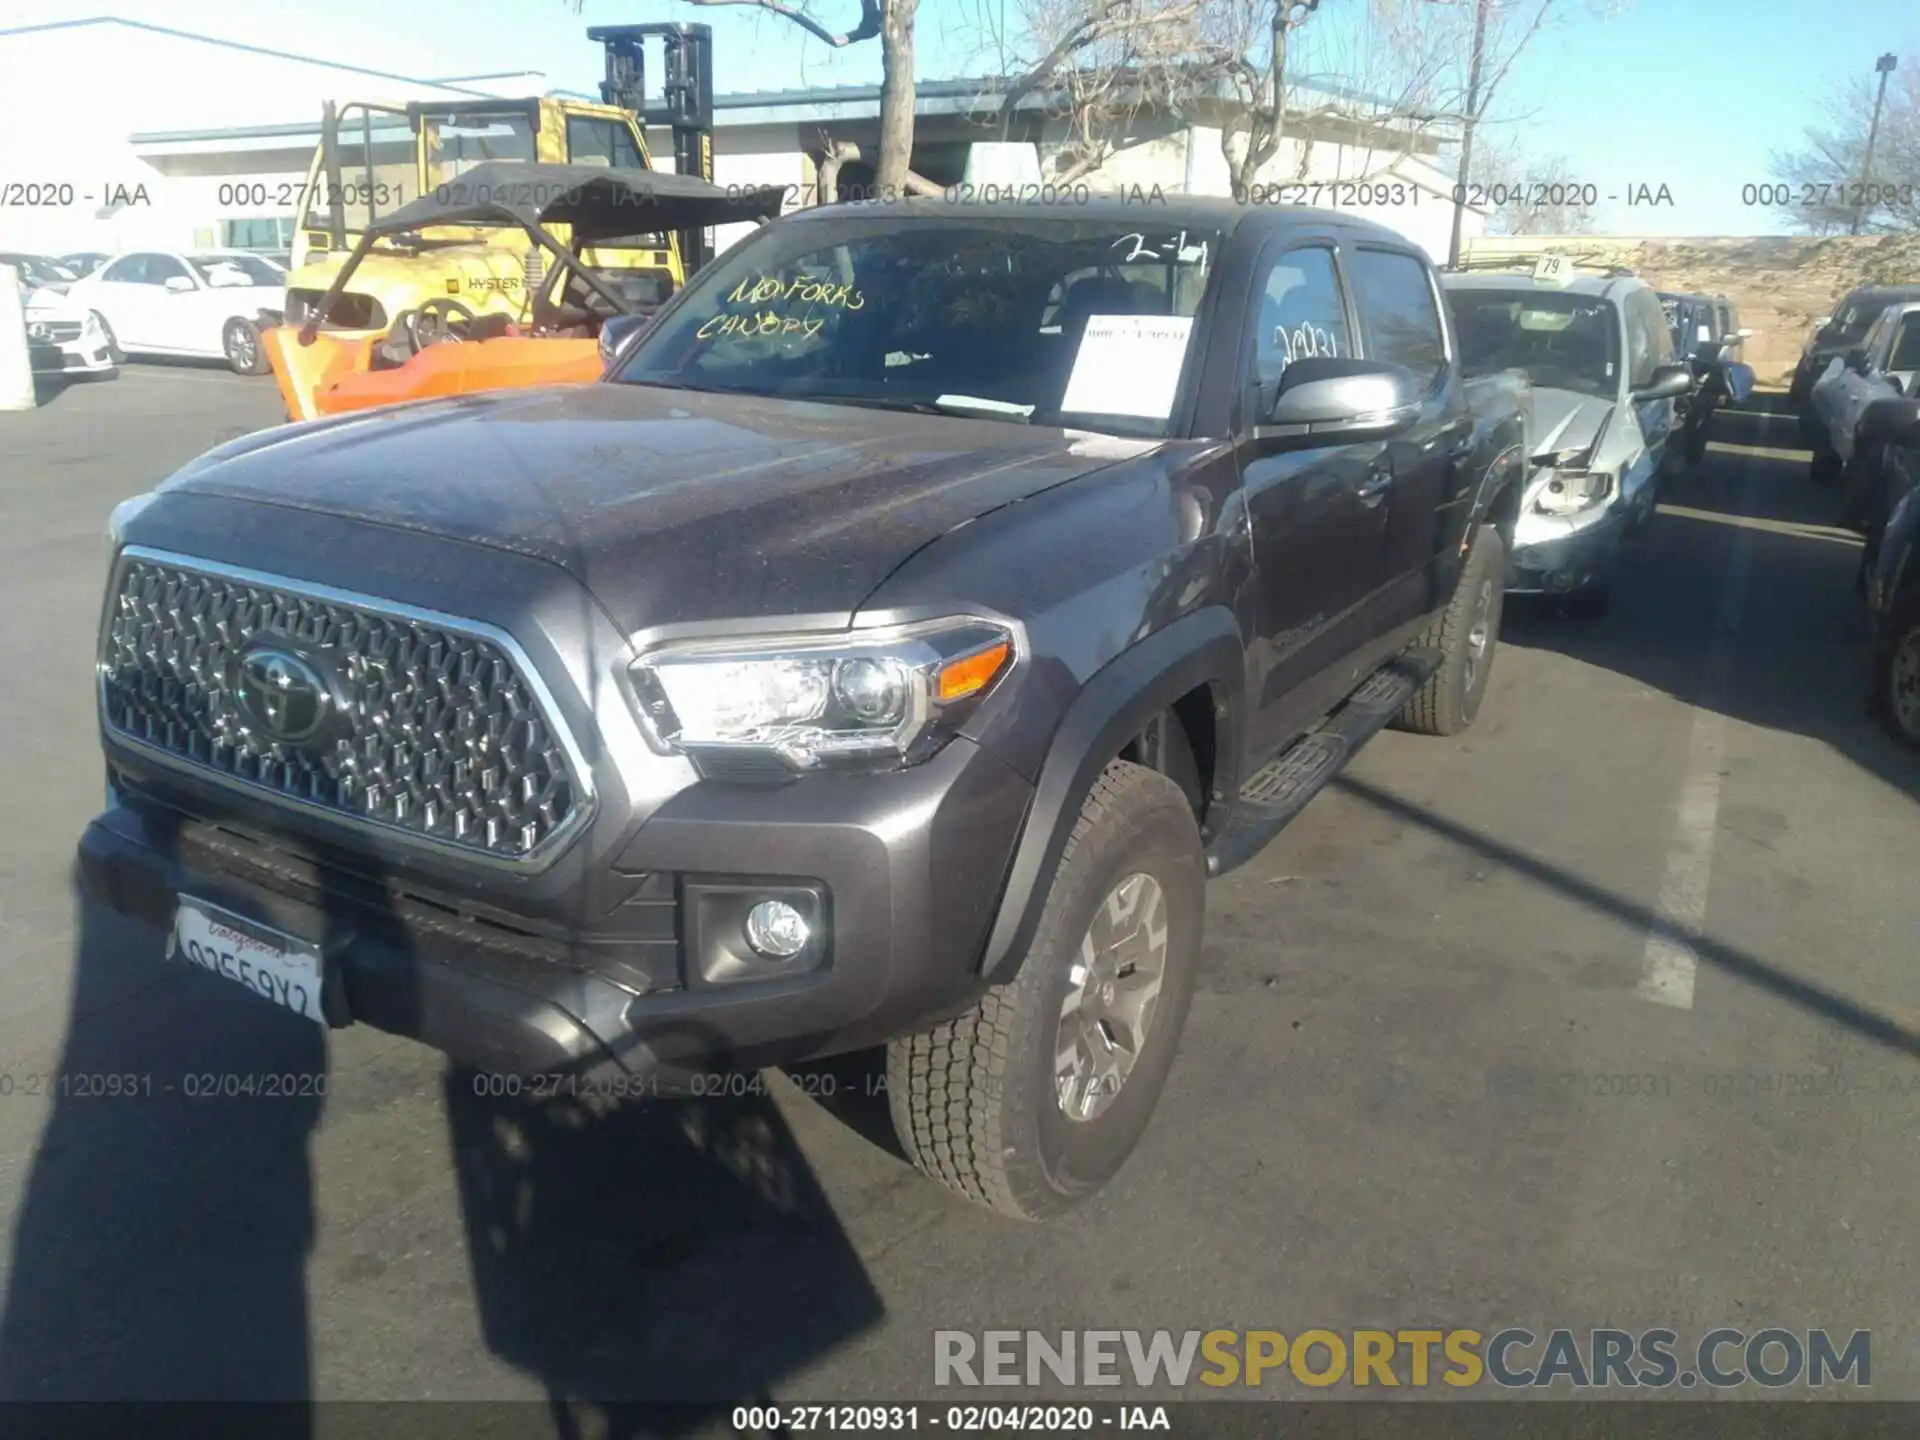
(1113, 992)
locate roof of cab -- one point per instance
(1211, 212)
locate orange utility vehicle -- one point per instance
(564, 326)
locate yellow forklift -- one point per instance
(374, 158)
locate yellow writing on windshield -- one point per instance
(767, 322)
(761, 289)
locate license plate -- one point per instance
(273, 965)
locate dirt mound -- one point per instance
(1781, 284)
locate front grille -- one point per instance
(437, 733)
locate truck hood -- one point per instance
(670, 506)
(1566, 420)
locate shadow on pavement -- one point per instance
(1729, 959)
(621, 1253)
(1799, 629)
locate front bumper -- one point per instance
(88, 355)
(1550, 557)
(906, 869)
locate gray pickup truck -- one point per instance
(929, 599)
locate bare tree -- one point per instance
(1535, 195)
(1118, 73)
(1480, 42)
(1822, 186)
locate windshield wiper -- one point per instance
(968, 405)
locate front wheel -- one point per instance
(241, 343)
(1896, 681)
(1033, 1100)
(1466, 635)
(114, 352)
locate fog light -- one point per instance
(776, 929)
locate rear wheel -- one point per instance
(1466, 634)
(241, 343)
(1033, 1100)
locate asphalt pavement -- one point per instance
(1525, 1027)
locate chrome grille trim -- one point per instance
(262, 769)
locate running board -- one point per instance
(1279, 790)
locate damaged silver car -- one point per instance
(1600, 355)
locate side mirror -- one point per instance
(1323, 399)
(1669, 382)
(1710, 352)
(1895, 421)
(1741, 335)
(1739, 380)
(615, 332)
(1855, 360)
(179, 284)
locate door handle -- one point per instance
(1374, 488)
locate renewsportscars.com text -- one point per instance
(1512, 1358)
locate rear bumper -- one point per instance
(902, 873)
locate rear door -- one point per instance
(1318, 516)
(1399, 307)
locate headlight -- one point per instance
(1565, 493)
(874, 700)
(123, 515)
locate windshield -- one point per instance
(220, 271)
(456, 143)
(36, 271)
(1027, 319)
(1563, 342)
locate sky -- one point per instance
(1690, 95)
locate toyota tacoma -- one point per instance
(926, 602)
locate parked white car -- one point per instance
(1886, 362)
(210, 302)
(62, 338)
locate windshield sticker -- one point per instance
(1139, 246)
(1128, 365)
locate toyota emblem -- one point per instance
(283, 695)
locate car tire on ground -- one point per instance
(1896, 674)
(980, 1103)
(113, 343)
(240, 342)
(1467, 633)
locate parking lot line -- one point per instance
(1668, 966)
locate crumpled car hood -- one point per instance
(1566, 420)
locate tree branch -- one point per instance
(868, 27)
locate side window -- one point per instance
(162, 268)
(127, 270)
(600, 142)
(1299, 312)
(1906, 345)
(1398, 317)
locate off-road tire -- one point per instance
(1450, 699)
(973, 1100)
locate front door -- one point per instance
(1319, 516)
(1400, 324)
